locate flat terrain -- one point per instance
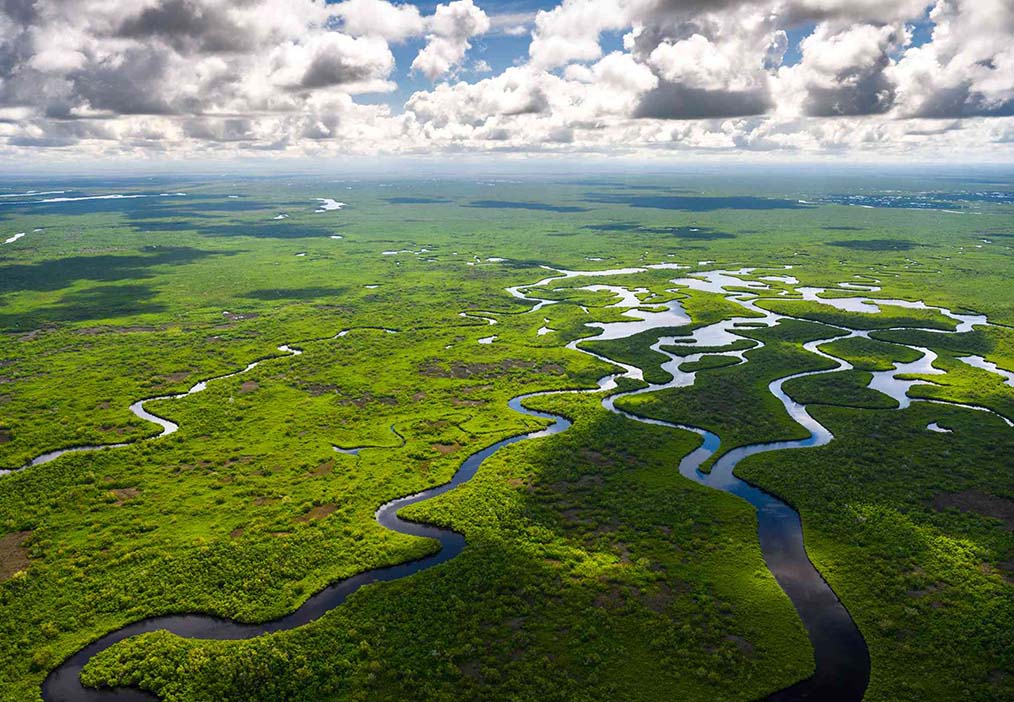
(593, 570)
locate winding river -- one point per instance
(842, 661)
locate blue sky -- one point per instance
(498, 49)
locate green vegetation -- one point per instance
(913, 531)
(593, 571)
(683, 350)
(709, 361)
(845, 388)
(870, 354)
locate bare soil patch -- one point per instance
(91, 331)
(323, 468)
(457, 369)
(978, 502)
(318, 512)
(13, 553)
(125, 494)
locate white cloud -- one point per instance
(967, 68)
(357, 64)
(379, 18)
(102, 77)
(621, 72)
(449, 30)
(696, 62)
(844, 71)
(570, 32)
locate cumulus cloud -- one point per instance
(228, 76)
(379, 18)
(358, 64)
(516, 91)
(844, 70)
(967, 68)
(449, 31)
(571, 31)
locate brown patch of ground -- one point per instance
(477, 388)
(91, 331)
(458, 402)
(13, 554)
(323, 468)
(177, 377)
(594, 457)
(34, 334)
(125, 494)
(583, 483)
(249, 386)
(458, 369)
(261, 501)
(515, 623)
(470, 669)
(444, 449)
(233, 317)
(318, 512)
(341, 310)
(931, 589)
(978, 502)
(366, 399)
(744, 646)
(318, 389)
(613, 598)
(419, 396)
(659, 598)
(5, 436)
(103, 405)
(572, 516)
(236, 533)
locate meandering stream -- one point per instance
(841, 657)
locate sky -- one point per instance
(178, 81)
